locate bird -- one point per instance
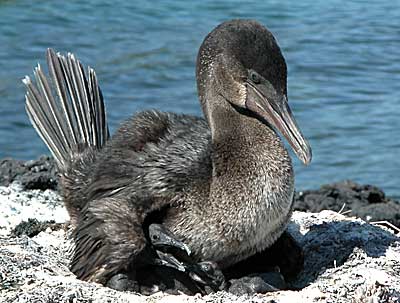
(222, 185)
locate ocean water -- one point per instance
(343, 60)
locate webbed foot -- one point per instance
(173, 253)
(208, 275)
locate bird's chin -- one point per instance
(276, 111)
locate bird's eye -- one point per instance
(255, 77)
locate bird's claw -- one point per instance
(207, 274)
(168, 247)
(165, 259)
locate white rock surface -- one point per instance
(346, 260)
(18, 205)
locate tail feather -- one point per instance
(76, 117)
(58, 72)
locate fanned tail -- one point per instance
(73, 120)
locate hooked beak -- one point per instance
(264, 101)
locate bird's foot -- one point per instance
(207, 274)
(168, 266)
(173, 253)
(174, 270)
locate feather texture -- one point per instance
(69, 114)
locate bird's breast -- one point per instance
(271, 216)
(239, 216)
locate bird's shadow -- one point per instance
(331, 244)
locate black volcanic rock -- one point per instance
(365, 201)
(33, 174)
(33, 227)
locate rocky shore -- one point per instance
(345, 258)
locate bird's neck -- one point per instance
(240, 137)
(251, 189)
(248, 157)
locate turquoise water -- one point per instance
(343, 59)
